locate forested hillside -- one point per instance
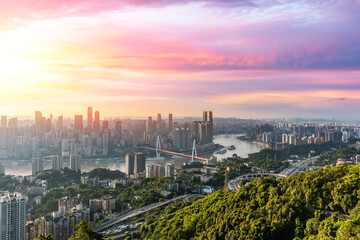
(316, 205)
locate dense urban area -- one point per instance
(302, 184)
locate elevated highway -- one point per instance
(139, 211)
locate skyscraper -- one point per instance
(13, 123)
(159, 123)
(78, 123)
(105, 125)
(38, 120)
(59, 123)
(149, 125)
(129, 164)
(203, 130)
(139, 162)
(97, 121)
(37, 165)
(3, 121)
(89, 118)
(170, 122)
(56, 162)
(169, 170)
(12, 217)
(75, 162)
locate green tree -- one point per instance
(84, 232)
(42, 237)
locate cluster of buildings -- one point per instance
(57, 163)
(61, 224)
(160, 170)
(43, 136)
(281, 134)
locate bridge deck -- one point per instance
(177, 154)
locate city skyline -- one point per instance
(248, 59)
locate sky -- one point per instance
(238, 58)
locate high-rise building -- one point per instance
(59, 123)
(13, 123)
(89, 118)
(149, 125)
(56, 162)
(139, 162)
(38, 120)
(3, 121)
(37, 165)
(105, 125)
(159, 123)
(181, 138)
(13, 217)
(48, 125)
(129, 164)
(75, 162)
(170, 122)
(169, 170)
(78, 123)
(203, 130)
(118, 131)
(97, 121)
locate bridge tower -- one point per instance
(194, 152)
(158, 147)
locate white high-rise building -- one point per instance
(75, 162)
(13, 217)
(37, 165)
(56, 162)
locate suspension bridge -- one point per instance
(193, 155)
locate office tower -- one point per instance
(203, 130)
(129, 164)
(59, 124)
(38, 120)
(2, 169)
(170, 122)
(181, 138)
(105, 125)
(37, 165)
(78, 123)
(4, 136)
(89, 118)
(118, 131)
(105, 142)
(56, 162)
(139, 162)
(13, 217)
(158, 123)
(3, 121)
(149, 124)
(205, 116)
(13, 123)
(169, 170)
(97, 121)
(75, 162)
(48, 125)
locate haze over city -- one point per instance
(240, 58)
(179, 119)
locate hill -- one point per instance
(317, 205)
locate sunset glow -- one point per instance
(135, 58)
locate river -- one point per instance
(243, 148)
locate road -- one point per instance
(300, 166)
(140, 211)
